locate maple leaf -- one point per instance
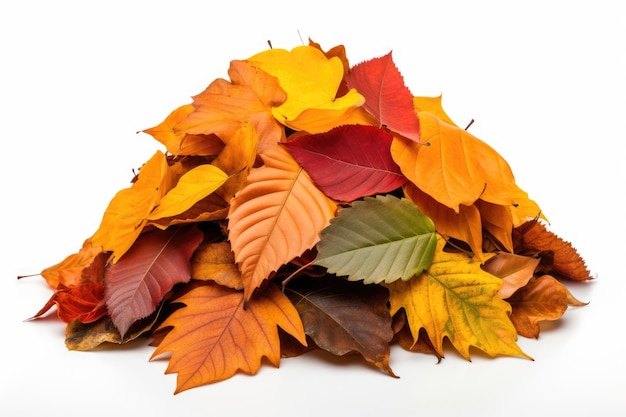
(344, 317)
(533, 238)
(278, 214)
(386, 96)
(177, 142)
(138, 282)
(543, 298)
(348, 162)
(455, 299)
(213, 336)
(311, 81)
(223, 107)
(379, 239)
(128, 211)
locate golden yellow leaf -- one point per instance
(277, 216)
(456, 299)
(128, 211)
(216, 262)
(433, 106)
(311, 81)
(193, 186)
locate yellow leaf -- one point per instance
(193, 186)
(433, 106)
(128, 211)
(456, 299)
(311, 81)
(277, 216)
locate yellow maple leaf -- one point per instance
(455, 299)
(311, 81)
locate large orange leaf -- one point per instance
(277, 216)
(214, 336)
(456, 299)
(128, 211)
(456, 167)
(224, 106)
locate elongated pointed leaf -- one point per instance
(276, 217)
(349, 161)
(192, 187)
(137, 283)
(378, 239)
(387, 98)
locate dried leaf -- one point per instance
(216, 262)
(515, 271)
(349, 161)
(138, 282)
(214, 336)
(277, 216)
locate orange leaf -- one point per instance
(224, 106)
(216, 262)
(214, 336)
(433, 106)
(543, 298)
(69, 271)
(177, 142)
(278, 215)
(533, 237)
(515, 271)
(128, 211)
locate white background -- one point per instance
(544, 81)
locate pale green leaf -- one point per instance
(381, 238)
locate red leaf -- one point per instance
(386, 96)
(349, 161)
(140, 279)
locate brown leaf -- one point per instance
(543, 298)
(533, 238)
(345, 317)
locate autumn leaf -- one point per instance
(456, 299)
(349, 161)
(69, 271)
(177, 142)
(515, 271)
(278, 215)
(223, 107)
(128, 211)
(138, 282)
(213, 336)
(192, 187)
(533, 238)
(216, 262)
(433, 106)
(379, 239)
(543, 298)
(387, 98)
(344, 317)
(311, 81)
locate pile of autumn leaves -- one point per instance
(306, 204)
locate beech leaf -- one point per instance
(387, 98)
(214, 336)
(379, 239)
(456, 299)
(349, 161)
(138, 282)
(345, 317)
(277, 216)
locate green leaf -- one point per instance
(381, 238)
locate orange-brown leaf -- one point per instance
(515, 271)
(276, 217)
(216, 262)
(533, 238)
(214, 336)
(69, 271)
(543, 298)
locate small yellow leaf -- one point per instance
(193, 186)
